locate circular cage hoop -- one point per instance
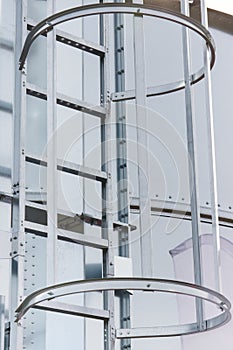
(141, 284)
(50, 22)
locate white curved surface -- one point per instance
(182, 259)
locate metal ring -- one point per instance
(143, 284)
(109, 8)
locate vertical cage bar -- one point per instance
(212, 155)
(107, 188)
(51, 151)
(142, 149)
(192, 153)
(123, 210)
(122, 187)
(18, 180)
(83, 180)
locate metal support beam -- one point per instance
(74, 310)
(75, 169)
(82, 106)
(212, 155)
(107, 189)
(192, 153)
(142, 149)
(67, 101)
(51, 153)
(71, 168)
(122, 172)
(35, 227)
(121, 122)
(18, 182)
(89, 241)
(80, 43)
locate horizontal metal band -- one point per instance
(107, 8)
(143, 284)
(158, 90)
(173, 331)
